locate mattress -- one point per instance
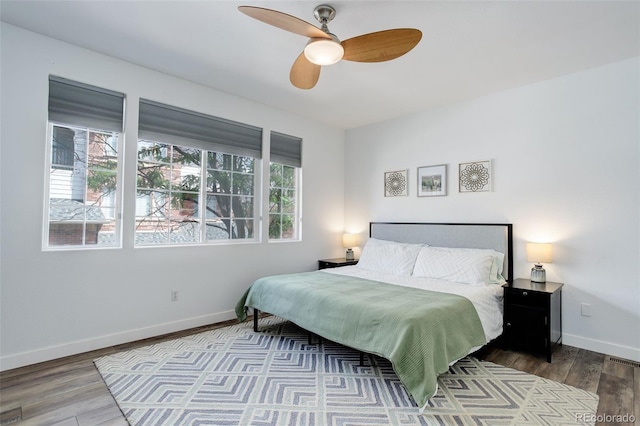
(487, 299)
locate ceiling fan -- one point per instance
(324, 48)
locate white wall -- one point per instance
(566, 170)
(58, 303)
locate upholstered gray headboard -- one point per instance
(496, 236)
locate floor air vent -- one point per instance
(624, 362)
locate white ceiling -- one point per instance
(468, 48)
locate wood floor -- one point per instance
(70, 391)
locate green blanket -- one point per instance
(419, 331)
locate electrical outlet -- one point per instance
(585, 309)
(174, 295)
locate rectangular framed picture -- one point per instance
(395, 183)
(475, 176)
(432, 181)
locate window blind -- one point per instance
(165, 123)
(286, 149)
(74, 103)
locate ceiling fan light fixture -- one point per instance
(324, 48)
(322, 51)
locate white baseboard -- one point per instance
(608, 348)
(9, 362)
(53, 352)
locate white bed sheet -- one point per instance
(486, 299)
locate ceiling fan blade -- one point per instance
(381, 46)
(304, 74)
(283, 21)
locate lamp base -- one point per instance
(349, 254)
(538, 274)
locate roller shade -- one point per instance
(286, 149)
(165, 123)
(79, 104)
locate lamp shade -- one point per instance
(350, 240)
(539, 252)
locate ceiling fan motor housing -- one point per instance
(324, 13)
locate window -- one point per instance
(170, 179)
(83, 183)
(195, 170)
(284, 187)
(231, 202)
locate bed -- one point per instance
(423, 295)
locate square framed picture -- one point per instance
(475, 176)
(432, 181)
(396, 183)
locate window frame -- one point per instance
(297, 208)
(118, 192)
(257, 197)
(202, 194)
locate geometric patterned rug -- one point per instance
(233, 376)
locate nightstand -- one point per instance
(334, 263)
(533, 316)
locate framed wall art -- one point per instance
(475, 176)
(396, 183)
(432, 181)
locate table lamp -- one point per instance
(539, 253)
(349, 241)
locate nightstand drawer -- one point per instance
(526, 298)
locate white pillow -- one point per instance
(468, 266)
(495, 276)
(389, 256)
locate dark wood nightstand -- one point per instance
(533, 316)
(334, 263)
